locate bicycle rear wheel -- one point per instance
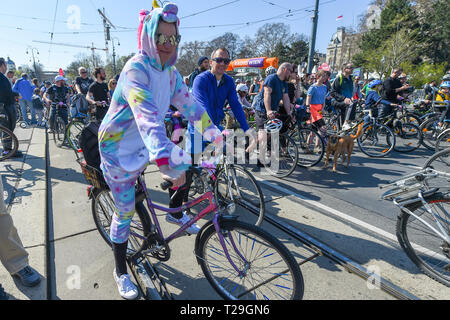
(424, 247)
(10, 143)
(439, 161)
(73, 134)
(103, 209)
(246, 192)
(443, 141)
(407, 137)
(376, 140)
(311, 147)
(59, 132)
(269, 271)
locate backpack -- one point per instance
(89, 145)
(79, 105)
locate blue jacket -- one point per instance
(24, 88)
(212, 98)
(372, 98)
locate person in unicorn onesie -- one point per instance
(133, 134)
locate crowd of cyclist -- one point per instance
(132, 132)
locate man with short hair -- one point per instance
(342, 91)
(83, 82)
(392, 87)
(98, 94)
(254, 89)
(7, 107)
(266, 104)
(203, 65)
(24, 88)
(274, 90)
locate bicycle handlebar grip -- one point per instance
(166, 185)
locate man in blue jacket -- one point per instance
(212, 89)
(25, 89)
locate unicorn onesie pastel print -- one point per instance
(132, 134)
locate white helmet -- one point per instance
(59, 78)
(273, 125)
(242, 87)
(270, 70)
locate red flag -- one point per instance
(339, 18)
(61, 72)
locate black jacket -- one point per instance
(6, 94)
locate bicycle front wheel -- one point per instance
(376, 140)
(245, 190)
(267, 270)
(311, 147)
(73, 134)
(10, 143)
(443, 141)
(429, 251)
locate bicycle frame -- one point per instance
(442, 233)
(213, 207)
(404, 187)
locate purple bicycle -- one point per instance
(241, 261)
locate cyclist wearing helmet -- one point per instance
(443, 95)
(374, 96)
(270, 70)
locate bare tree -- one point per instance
(270, 35)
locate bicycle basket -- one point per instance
(93, 176)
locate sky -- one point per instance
(22, 22)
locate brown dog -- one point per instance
(339, 146)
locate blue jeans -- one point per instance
(24, 104)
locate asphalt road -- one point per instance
(355, 191)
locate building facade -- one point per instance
(342, 47)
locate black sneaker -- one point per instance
(28, 277)
(18, 153)
(3, 295)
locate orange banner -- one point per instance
(261, 63)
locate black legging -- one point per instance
(9, 122)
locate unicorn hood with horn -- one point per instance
(133, 133)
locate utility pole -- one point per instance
(107, 26)
(312, 42)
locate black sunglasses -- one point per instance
(220, 60)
